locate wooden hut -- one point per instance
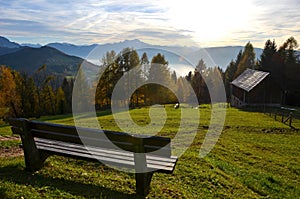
(252, 88)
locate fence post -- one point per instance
(291, 117)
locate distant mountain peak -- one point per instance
(31, 45)
(5, 43)
(134, 41)
(61, 44)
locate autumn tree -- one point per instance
(129, 65)
(61, 103)
(159, 72)
(28, 93)
(216, 86)
(9, 98)
(108, 76)
(49, 99)
(113, 68)
(184, 90)
(136, 76)
(81, 92)
(40, 76)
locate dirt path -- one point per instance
(9, 137)
(12, 151)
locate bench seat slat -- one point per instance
(40, 141)
(110, 161)
(72, 145)
(166, 164)
(104, 159)
(83, 150)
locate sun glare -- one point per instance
(210, 20)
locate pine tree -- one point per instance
(183, 89)
(266, 62)
(67, 87)
(145, 65)
(199, 82)
(290, 70)
(228, 76)
(189, 76)
(174, 77)
(247, 60)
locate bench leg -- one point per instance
(34, 158)
(143, 181)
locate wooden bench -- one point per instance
(144, 155)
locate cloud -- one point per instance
(277, 19)
(159, 33)
(162, 36)
(68, 19)
(157, 21)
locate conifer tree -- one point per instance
(247, 59)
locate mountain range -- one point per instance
(212, 56)
(28, 59)
(64, 58)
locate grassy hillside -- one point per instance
(255, 157)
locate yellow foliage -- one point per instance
(9, 97)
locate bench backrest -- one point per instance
(94, 137)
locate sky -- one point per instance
(201, 23)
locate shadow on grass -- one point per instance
(19, 176)
(3, 193)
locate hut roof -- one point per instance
(249, 79)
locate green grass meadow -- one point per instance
(255, 157)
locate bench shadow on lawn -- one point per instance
(19, 176)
